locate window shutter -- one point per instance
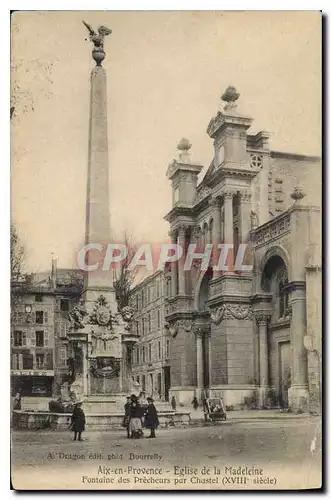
(45, 339)
(14, 363)
(20, 361)
(24, 339)
(33, 339)
(63, 329)
(45, 317)
(49, 361)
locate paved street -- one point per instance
(279, 452)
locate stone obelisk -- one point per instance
(99, 333)
(97, 231)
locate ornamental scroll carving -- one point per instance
(173, 328)
(228, 311)
(202, 193)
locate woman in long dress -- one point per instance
(135, 423)
(151, 418)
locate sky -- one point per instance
(166, 72)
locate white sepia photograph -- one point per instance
(166, 250)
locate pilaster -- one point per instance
(174, 267)
(298, 392)
(262, 321)
(228, 227)
(216, 235)
(199, 334)
(245, 210)
(181, 272)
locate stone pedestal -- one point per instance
(263, 392)
(234, 396)
(298, 397)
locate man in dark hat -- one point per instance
(151, 418)
(78, 421)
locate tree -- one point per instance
(123, 276)
(19, 279)
(31, 77)
(17, 256)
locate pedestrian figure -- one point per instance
(126, 419)
(143, 401)
(135, 422)
(78, 421)
(151, 418)
(195, 403)
(16, 406)
(17, 402)
(173, 403)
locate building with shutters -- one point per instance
(39, 326)
(150, 356)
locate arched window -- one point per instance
(211, 231)
(274, 280)
(206, 234)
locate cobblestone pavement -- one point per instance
(281, 451)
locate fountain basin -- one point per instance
(39, 420)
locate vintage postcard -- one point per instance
(166, 295)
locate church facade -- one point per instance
(251, 335)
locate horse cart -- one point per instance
(214, 410)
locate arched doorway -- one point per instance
(203, 292)
(274, 280)
(203, 344)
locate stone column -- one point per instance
(181, 273)
(209, 358)
(216, 236)
(174, 268)
(245, 209)
(262, 321)
(216, 214)
(228, 225)
(197, 238)
(199, 360)
(298, 393)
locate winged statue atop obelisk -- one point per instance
(98, 52)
